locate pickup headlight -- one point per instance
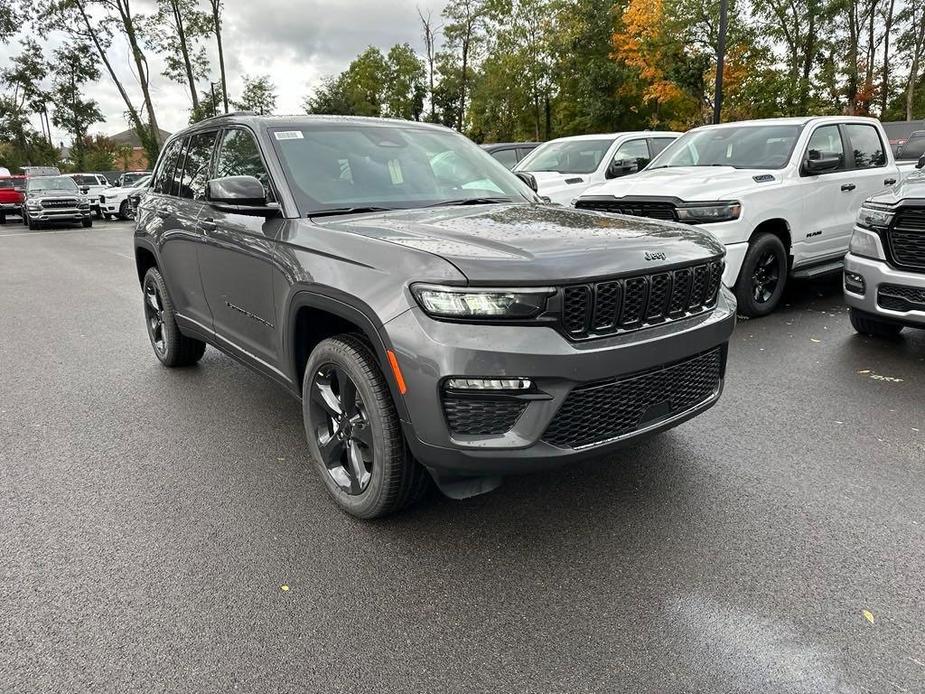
(33, 205)
(706, 212)
(465, 302)
(872, 216)
(866, 244)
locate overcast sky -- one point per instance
(295, 42)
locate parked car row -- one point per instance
(27, 196)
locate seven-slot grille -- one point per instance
(612, 306)
(599, 412)
(907, 237)
(896, 297)
(634, 208)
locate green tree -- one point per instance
(463, 34)
(99, 153)
(210, 105)
(73, 112)
(405, 88)
(176, 31)
(259, 95)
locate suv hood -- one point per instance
(689, 183)
(535, 244)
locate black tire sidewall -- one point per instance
(171, 330)
(388, 452)
(744, 289)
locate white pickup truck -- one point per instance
(564, 168)
(782, 194)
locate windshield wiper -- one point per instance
(470, 201)
(331, 211)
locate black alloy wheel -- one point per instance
(342, 427)
(765, 277)
(154, 316)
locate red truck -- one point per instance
(11, 197)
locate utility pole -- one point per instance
(720, 59)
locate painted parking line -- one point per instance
(60, 231)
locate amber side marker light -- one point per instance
(399, 379)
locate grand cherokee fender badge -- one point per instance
(655, 255)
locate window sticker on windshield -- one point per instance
(395, 172)
(288, 135)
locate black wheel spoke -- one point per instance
(332, 449)
(323, 394)
(347, 392)
(359, 477)
(364, 435)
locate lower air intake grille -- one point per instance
(600, 412)
(896, 297)
(471, 416)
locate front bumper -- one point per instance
(431, 351)
(10, 207)
(876, 274)
(60, 215)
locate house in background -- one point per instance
(130, 155)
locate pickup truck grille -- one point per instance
(58, 203)
(634, 208)
(615, 306)
(600, 412)
(907, 238)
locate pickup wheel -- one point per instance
(354, 435)
(762, 277)
(171, 346)
(86, 222)
(125, 211)
(31, 223)
(2, 217)
(867, 324)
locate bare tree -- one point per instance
(217, 7)
(429, 33)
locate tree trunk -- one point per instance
(184, 50)
(217, 26)
(885, 74)
(153, 144)
(133, 114)
(914, 68)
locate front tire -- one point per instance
(32, 224)
(354, 435)
(868, 324)
(170, 346)
(86, 222)
(125, 210)
(762, 277)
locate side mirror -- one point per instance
(240, 195)
(621, 167)
(84, 189)
(529, 179)
(920, 164)
(823, 163)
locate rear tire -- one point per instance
(353, 431)
(763, 276)
(868, 324)
(171, 347)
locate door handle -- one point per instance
(848, 186)
(889, 181)
(208, 224)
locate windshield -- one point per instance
(65, 183)
(85, 180)
(129, 179)
(567, 156)
(142, 182)
(345, 166)
(913, 149)
(742, 147)
(339, 167)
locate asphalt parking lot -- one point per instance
(161, 530)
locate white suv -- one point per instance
(564, 168)
(91, 185)
(782, 195)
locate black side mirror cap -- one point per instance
(822, 164)
(529, 179)
(240, 195)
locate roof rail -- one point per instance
(226, 115)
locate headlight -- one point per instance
(34, 205)
(866, 244)
(702, 213)
(874, 217)
(463, 302)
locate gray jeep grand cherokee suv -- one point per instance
(432, 314)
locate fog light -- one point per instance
(489, 384)
(854, 283)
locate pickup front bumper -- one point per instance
(895, 295)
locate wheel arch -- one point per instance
(145, 259)
(315, 315)
(779, 227)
